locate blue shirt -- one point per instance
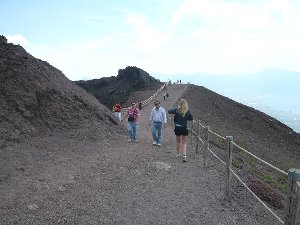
(158, 115)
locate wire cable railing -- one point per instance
(147, 101)
(261, 160)
(293, 174)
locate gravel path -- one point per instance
(70, 178)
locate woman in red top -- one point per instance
(117, 111)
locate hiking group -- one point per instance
(158, 118)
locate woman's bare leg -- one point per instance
(183, 144)
(178, 145)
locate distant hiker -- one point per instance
(180, 82)
(167, 95)
(164, 96)
(182, 115)
(133, 115)
(140, 105)
(117, 110)
(158, 117)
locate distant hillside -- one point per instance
(275, 92)
(109, 90)
(36, 98)
(256, 131)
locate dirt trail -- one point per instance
(67, 179)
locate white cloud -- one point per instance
(145, 36)
(236, 37)
(17, 39)
(89, 59)
(209, 36)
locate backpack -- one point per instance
(131, 117)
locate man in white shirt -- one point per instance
(158, 117)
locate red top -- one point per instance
(117, 107)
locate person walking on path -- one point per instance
(181, 115)
(133, 115)
(158, 117)
(117, 110)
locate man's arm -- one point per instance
(165, 116)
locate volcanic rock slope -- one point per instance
(36, 98)
(109, 90)
(251, 129)
(93, 176)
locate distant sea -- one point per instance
(280, 107)
(274, 92)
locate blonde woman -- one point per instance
(182, 115)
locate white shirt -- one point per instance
(158, 115)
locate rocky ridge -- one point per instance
(75, 153)
(36, 98)
(109, 90)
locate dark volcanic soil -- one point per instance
(37, 99)
(65, 160)
(77, 177)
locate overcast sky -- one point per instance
(93, 39)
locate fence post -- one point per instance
(292, 197)
(192, 132)
(199, 136)
(228, 159)
(199, 128)
(206, 145)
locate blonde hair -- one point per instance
(182, 107)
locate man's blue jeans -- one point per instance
(132, 130)
(156, 132)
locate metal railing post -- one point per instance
(206, 145)
(199, 128)
(198, 137)
(292, 197)
(228, 159)
(192, 127)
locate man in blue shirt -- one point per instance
(158, 117)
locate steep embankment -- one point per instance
(36, 98)
(263, 135)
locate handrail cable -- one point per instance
(201, 140)
(263, 161)
(279, 170)
(217, 135)
(240, 180)
(256, 196)
(199, 123)
(216, 156)
(198, 136)
(147, 101)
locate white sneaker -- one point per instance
(158, 144)
(154, 143)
